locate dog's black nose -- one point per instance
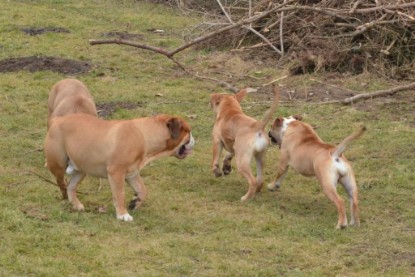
(269, 134)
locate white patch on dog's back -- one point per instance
(260, 142)
(285, 123)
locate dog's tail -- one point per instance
(342, 146)
(267, 117)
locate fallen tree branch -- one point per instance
(171, 53)
(378, 93)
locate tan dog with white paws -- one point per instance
(302, 149)
(241, 136)
(116, 150)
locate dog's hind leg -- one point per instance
(260, 163)
(76, 178)
(349, 183)
(227, 166)
(217, 151)
(140, 191)
(244, 167)
(56, 162)
(328, 181)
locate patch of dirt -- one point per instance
(40, 31)
(123, 35)
(34, 212)
(106, 109)
(34, 63)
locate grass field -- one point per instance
(191, 224)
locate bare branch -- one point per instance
(389, 7)
(378, 93)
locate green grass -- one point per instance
(192, 224)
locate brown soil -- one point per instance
(123, 35)
(34, 63)
(40, 31)
(106, 109)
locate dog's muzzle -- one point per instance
(186, 148)
(273, 139)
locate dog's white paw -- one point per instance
(245, 198)
(78, 207)
(125, 217)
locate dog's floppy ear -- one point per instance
(215, 100)
(298, 117)
(174, 125)
(241, 94)
(278, 121)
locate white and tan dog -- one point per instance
(241, 136)
(303, 149)
(116, 150)
(69, 96)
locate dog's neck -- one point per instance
(286, 122)
(229, 106)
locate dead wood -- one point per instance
(378, 93)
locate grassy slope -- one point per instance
(191, 223)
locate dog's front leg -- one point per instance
(140, 191)
(116, 180)
(217, 151)
(281, 173)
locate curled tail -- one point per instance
(268, 114)
(342, 146)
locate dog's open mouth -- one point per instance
(186, 148)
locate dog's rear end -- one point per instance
(241, 136)
(305, 151)
(69, 96)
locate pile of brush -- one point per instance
(315, 35)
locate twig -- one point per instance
(273, 81)
(43, 178)
(249, 27)
(363, 28)
(389, 7)
(378, 93)
(355, 6)
(281, 32)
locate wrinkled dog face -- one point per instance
(181, 137)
